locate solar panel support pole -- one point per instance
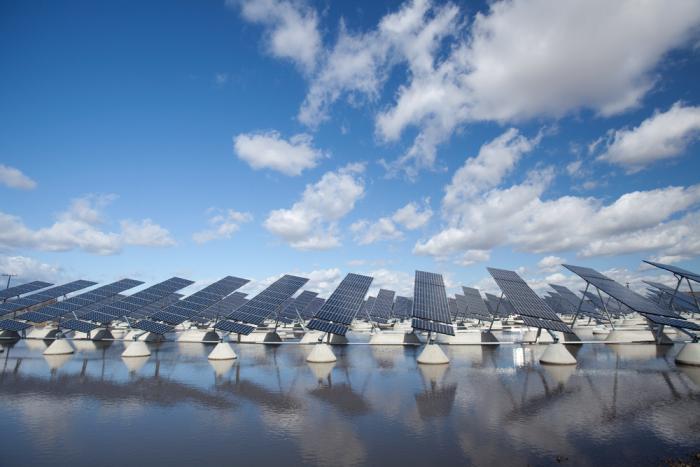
(554, 336)
(605, 307)
(580, 304)
(697, 305)
(678, 284)
(537, 337)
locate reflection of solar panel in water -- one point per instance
(621, 293)
(266, 303)
(79, 302)
(676, 270)
(403, 308)
(526, 302)
(430, 307)
(132, 304)
(436, 402)
(475, 304)
(44, 296)
(22, 289)
(196, 303)
(342, 306)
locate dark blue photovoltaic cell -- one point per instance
(475, 304)
(346, 300)
(676, 270)
(267, 302)
(620, 293)
(294, 307)
(43, 296)
(673, 322)
(545, 324)
(236, 328)
(80, 326)
(12, 325)
(313, 308)
(326, 326)
(573, 301)
(35, 317)
(22, 289)
(430, 298)
(78, 302)
(225, 306)
(150, 326)
(383, 304)
(432, 326)
(403, 308)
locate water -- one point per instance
(625, 404)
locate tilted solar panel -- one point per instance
(236, 328)
(12, 325)
(676, 270)
(327, 326)
(680, 298)
(621, 293)
(452, 304)
(80, 326)
(573, 300)
(502, 308)
(383, 304)
(475, 304)
(313, 308)
(342, 306)
(673, 322)
(432, 326)
(86, 299)
(150, 326)
(430, 303)
(403, 308)
(43, 296)
(22, 289)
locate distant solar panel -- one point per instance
(267, 302)
(100, 294)
(502, 308)
(403, 307)
(460, 307)
(43, 296)
(80, 326)
(342, 306)
(680, 298)
(430, 305)
(676, 270)
(621, 293)
(525, 301)
(452, 305)
(475, 304)
(383, 305)
(22, 289)
(313, 308)
(366, 309)
(293, 308)
(225, 306)
(573, 300)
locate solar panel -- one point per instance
(430, 303)
(545, 324)
(452, 305)
(525, 301)
(236, 328)
(267, 302)
(475, 304)
(673, 322)
(86, 299)
(313, 308)
(22, 289)
(503, 309)
(676, 270)
(621, 293)
(432, 326)
(133, 303)
(12, 325)
(225, 306)
(573, 301)
(681, 299)
(343, 304)
(383, 304)
(403, 308)
(293, 307)
(150, 326)
(35, 317)
(43, 296)
(80, 326)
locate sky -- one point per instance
(258, 138)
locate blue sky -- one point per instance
(146, 139)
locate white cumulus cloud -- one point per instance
(268, 150)
(223, 223)
(14, 178)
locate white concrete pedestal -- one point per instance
(59, 347)
(222, 351)
(199, 335)
(432, 354)
(557, 354)
(136, 349)
(689, 354)
(321, 353)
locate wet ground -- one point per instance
(493, 405)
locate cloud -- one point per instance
(664, 135)
(323, 281)
(291, 29)
(223, 224)
(267, 150)
(14, 178)
(29, 269)
(79, 227)
(311, 222)
(411, 216)
(399, 281)
(522, 216)
(470, 257)
(550, 263)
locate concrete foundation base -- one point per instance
(312, 337)
(223, 351)
(469, 337)
(321, 353)
(142, 336)
(59, 347)
(531, 336)
(261, 337)
(136, 349)
(557, 354)
(601, 330)
(46, 332)
(432, 354)
(394, 338)
(9, 335)
(689, 354)
(199, 335)
(637, 335)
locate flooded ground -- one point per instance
(493, 405)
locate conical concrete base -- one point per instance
(136, 349)
(223, 351)
(321, 353)
(557, 354)
(689, 354)
(432, 354)
(59, 347)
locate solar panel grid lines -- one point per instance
(233, 327)
(680, 297)
(676, 270)
(545, 324)
(346, 300)
(573, 300)
(168, 318)
(403, 307)
(452, 304)
(78, 325)
(383, 304)
(43, 296)
(312, 308)
(502, 308)
(14, 326)
(475, 304)
(432, 326)
(152, 327)
(522, 297)
(22, 289)
(89, 298)
(35, 317)
(328, 327)
(673, 322)
(429, 298)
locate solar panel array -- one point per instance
(341, 307)
(526, 302)
(263, 305)
(294, 307)
(132, 304)
(43, 296)
(460, 309)
(383, 304)
(403, 307)
(431, 310)
(676, 270)
(620, 293)
(681, 299)
(22, 289)
(476, 307)
(312, 309)
(452, 305)
(573, 300)
(79, 302)
(198, 302)
(366, 309)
